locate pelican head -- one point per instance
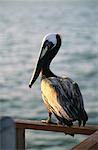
(49, 48)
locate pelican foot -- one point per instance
(47, 121)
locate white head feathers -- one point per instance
(51, 38)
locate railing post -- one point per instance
(20, 138)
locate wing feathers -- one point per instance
(64, 98)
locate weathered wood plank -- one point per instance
(38, 125)
(20, 138)
(91, 143)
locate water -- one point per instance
(23, 24)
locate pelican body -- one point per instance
(61, 96)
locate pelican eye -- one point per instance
(50, 45)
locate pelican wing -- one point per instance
(64, 98)
(78, 100)
(72, 91)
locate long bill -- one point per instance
(36, 73)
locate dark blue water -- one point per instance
(23, 24)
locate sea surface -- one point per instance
(23, 24)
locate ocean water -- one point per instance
(23, 24)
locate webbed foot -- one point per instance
(48, 121)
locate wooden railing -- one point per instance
(91, 143)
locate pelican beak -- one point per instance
(36, 72)
(38, 66)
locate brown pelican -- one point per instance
(61, 96)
